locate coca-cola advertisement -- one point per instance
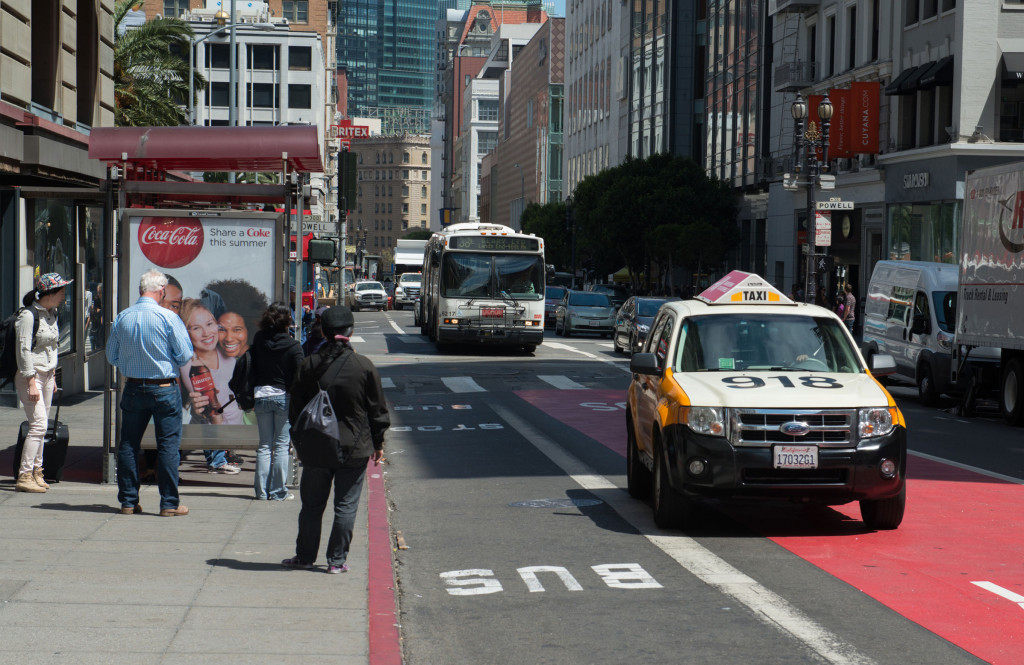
(220, 268)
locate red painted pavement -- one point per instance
(960, 527)
(385, 646)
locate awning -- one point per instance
(894, 86)
(1014, 64)
(913, 82)
(939, 73)
(209, 148)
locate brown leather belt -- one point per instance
(154, 382)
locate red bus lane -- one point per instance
(955, 566)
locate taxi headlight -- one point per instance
(877, 422)
(707, 420)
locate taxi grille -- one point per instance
(761, 427)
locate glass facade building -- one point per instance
(360, 50)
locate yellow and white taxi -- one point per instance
(743, 392)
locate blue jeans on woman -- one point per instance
(272, 454)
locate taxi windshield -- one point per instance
(764, 342)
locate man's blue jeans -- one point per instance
(139, 404)
(314, 489)
(272, 454)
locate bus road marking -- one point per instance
(1000, 591)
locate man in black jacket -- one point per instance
(353, 385)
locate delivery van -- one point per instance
(910, 314)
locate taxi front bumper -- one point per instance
(842, 475)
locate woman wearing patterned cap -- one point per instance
(37, 362)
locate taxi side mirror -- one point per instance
(645, 363)
(882, 364)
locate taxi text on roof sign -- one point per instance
(744, 288)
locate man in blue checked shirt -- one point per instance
(147, 345)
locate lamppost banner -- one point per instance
(220, 275)
(864, 116)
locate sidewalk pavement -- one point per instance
(79, 582)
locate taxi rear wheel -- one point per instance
(886, 513)
(638, 478)
(671, 509)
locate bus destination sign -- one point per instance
(494, 243)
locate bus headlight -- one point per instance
(876, 422)
(707, 420)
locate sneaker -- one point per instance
(232, 458)
(296, 562)
(229, 469)
(334, 570)
(287, 497)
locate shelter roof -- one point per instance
(210, 148)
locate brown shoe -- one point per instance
(26, 483)
(172, 512)
(37, 475)
(131, 510)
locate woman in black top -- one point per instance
(275, 358)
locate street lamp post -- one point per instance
(192, 68)
(808, 142)
(522, 196)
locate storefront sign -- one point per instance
(864, 102)
(916, 180)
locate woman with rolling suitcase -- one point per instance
(37, 362)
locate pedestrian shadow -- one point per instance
(79, 508)
(252, 566)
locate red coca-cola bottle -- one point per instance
(202, 382)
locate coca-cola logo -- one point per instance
(171, 242)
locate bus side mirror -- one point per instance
(435, 257)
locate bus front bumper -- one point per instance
(485, 334)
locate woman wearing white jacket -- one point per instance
(37, 362)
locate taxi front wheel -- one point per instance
(638, 478)
(884, 514)
(671, 509)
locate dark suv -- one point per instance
(615, 292)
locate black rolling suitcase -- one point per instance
(55, 446)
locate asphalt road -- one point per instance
(506, 482)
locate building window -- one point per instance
(529, 113)
(218, 93)
(175, 8)
(300, 58)
(487, 110)
(405, 190)
(218, 56)
(486, 142)
(405, 207)
(296, 11)
(262, 95)
(300, 96)
(423, 175)
(405, 174)
(405, 157)
(423, 158)
(423, 208)
(423, 191)
(263, 57)
(852, 19)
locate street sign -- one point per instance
(823, 230)
(833, 204)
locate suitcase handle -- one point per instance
(56, 414)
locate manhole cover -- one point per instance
(556, 503)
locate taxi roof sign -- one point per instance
(743, 288)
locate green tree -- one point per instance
(151, 76)
(418, 234)
(548, 222)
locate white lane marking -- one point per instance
(356, 339)
(1000, 591)
(968, 467)
(561, 382)
(462, 384)
(767, 606)
(395, 325)
(387, 382)
(616, 362)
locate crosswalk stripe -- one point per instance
(387, 383)
(356, 339)
(462, 384)
(561, 382)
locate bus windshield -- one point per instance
(473, 275)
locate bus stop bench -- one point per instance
(210, 437)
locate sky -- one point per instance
(559, 7)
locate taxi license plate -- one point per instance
(795, 457)
(492, 311)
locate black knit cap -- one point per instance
(337, 318)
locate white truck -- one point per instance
(408, 271)
(990, 297)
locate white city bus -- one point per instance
(483, 283)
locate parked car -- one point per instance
(616, 292)
(909, 315)
(583, 311)
(367, 295)
(633, 322)
(552, 296)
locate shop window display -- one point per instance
(54, 251)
